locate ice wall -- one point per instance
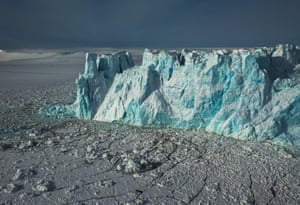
(242, 93)
(92, 85)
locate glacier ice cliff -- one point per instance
(242, 93)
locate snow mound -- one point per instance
(241, 93)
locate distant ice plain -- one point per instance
(43, 68)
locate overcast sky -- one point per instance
(148, 23)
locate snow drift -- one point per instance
(242, 93)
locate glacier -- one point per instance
(249, 93)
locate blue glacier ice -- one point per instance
(243, 93)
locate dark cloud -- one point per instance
(142, 23)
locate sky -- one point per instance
(148, 23)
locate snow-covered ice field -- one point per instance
(67, 161)
(43, 68)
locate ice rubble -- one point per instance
(242, 93)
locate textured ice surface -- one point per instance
(242, 93)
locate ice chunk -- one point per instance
(242, 93)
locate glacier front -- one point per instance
(242, 93)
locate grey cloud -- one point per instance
(141, 23)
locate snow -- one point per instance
(6, 56)
(242, 93)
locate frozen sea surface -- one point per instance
(67, 161)
(44, 68)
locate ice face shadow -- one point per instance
(280, 68)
